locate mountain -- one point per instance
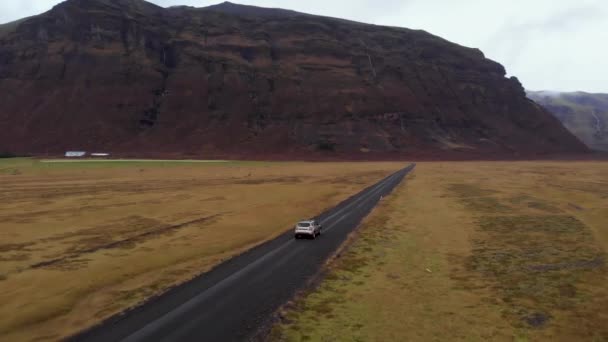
(132, 78)
(584, 114)
(244, 10)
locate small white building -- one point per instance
(75, 154)
(100, 154)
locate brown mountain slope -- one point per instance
(584, 114)
(127, 76)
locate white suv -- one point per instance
(308, 228)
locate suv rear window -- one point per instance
(303, 224)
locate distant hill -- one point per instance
(584, 114)
(130, 77)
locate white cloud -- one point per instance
(547, 44)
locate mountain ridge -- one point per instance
(128, 76)
(585, 114)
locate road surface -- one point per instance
(232, 302)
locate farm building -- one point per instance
(75, 154)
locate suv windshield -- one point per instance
(303, 224)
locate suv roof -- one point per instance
(307, 221)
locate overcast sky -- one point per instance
(548, 44)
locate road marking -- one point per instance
(379, 186)
(338, 221)
(149, 329)
(364, 197)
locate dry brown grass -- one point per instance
(471, 251)
(81, 242)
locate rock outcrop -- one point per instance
(130, 77)
(584, 114)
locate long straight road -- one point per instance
(235, 299)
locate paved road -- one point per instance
(234, 300)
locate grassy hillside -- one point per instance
(584, 114)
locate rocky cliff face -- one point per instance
(584, 114)
(127, 76)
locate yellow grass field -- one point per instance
(82, 241)
(479, 251)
